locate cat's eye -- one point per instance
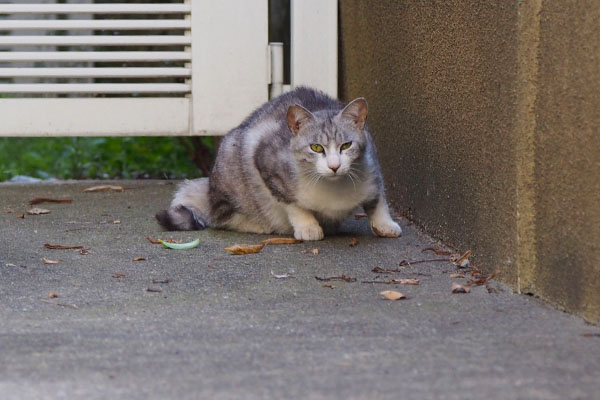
(346, 146)
(317, 148)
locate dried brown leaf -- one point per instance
(437, 251)
(52, 295)
(152, 240)
(39, 200)
(154, 290)
(281, 240)
(483, 280)
(463, 261)
(119, 275)
(282, 276)
(329, 286)
(392, 295)
(61, 247)
(60, 304)
(48, 261)
(379, 270)
(21, 216)
(457, 275)
(342, 277)
(458, 288)
(353, 242)
(240, 249)
(591, 334)
(314, 252)
(409, 281)
(360, 215)
(38, 211)
(104, 188)
(139, 259)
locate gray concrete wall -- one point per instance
(479, 116)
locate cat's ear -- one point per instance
(297, 117)
(356, 113)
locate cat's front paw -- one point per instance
(386, 228)
(309, 232)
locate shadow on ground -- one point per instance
(224, 327)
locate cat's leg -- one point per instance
(381, 222)
(306, 226)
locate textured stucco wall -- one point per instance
(440, 83)
(567, 157)
(486, 119)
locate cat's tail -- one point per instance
(189, 209)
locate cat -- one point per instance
(300, 164)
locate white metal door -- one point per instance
(190, 68)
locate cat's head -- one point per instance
(327, 143)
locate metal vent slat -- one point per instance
(96, 40)
(95, 88)
(150, 8)
(123, 48)
(98, 56)
(95, 24)
(95, 72)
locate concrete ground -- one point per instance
(224, 327)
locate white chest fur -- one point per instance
(335, 201)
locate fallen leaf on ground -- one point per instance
(155, 281)
(52, 295)
(437, 251)
(180, 246)
(280, 240)
(152, 240)
(329, 286)
(154, 290)
(458, 288)
(119, 275)
(239, 249)
(104, 188)
(379, 270)
(463, 261)
(342, 277)
(353, 242)
(139, 259)
(39, 200)
(84, 252)
(410, 262)
(409, 281)
(47, 261)
(22, 216)
(38, 211)
(61, 304)
(282, 276)
(314, 252)
(482, 281)
(457, 275)
(392, 295)
(360, 215)
(61, 247)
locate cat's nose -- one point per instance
(334, 169)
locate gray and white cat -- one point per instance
(299, 164)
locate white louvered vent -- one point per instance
(102, 49)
